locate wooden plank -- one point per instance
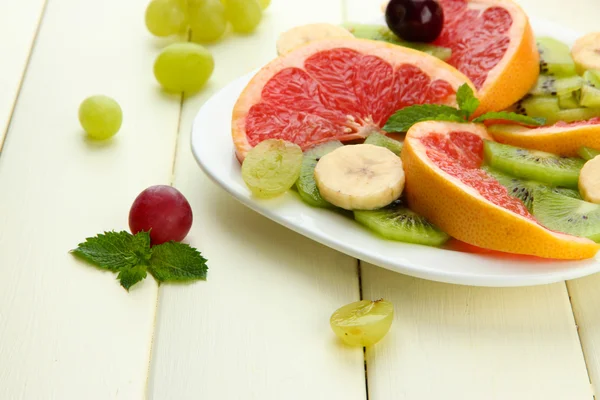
(18, 26)
(259, 327)
(70, 331)
(451, 341)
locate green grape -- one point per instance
(264, 3)
(363, 323)
(244, 15)
(165, 17)
(100, 116)
(272, 167)
(183, 67)
(207, 20)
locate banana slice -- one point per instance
(586, 52)
(360, 177)
(589, 181)
(300, 35)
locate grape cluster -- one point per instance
(207, 19)
(185, 67)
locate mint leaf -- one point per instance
(403, 119)
(466, 100)
(129, 276)
(176, 262)
(115, 250)
(511, 116)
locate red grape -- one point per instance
(415, 20)
(163, 211)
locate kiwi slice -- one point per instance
(555, 57)
(565, 214)
(538, 106)
(384, 34)
(377, 139)
(574, 115)
(569, 100)
(533, 165)
(306, 184)
(587, 153)
(396, 222)
(548, 107)
(526, 190)
(548, 85)
(592, 78)
(590, 96)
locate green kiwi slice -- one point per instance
(592, 78)
(590, 96)
(533, 165)
(565, 214)
(538, 106)
(382, 33)
(549, 108)
(574, 115)
(569, 100)
(526, 190)
(548, 85)
(306, 184)
(587, 153)
(377, 139)
(555, 57)
(396, 222)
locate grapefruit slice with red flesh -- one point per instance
(564, 138)
(493, 44)
(337, 89)
(445, 184)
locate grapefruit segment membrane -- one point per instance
(445, 184)
(337, 89)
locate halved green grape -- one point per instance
(183, 67)
(272, 167)
(165, 17)
(100, 116)
(244, 15)
(207, 20)
(363, 323)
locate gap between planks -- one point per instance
(585, 358)
(4, 134)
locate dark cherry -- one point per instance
(415, 20)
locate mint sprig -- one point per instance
(403, 119)
(467, 102)
(510, 116)
(133, 258)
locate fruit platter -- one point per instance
(460, 147)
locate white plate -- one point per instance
(213, 148)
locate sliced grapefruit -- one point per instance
(493, 44)
(337, 89)
(445, 184)
(561, 138)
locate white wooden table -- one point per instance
(258, 328)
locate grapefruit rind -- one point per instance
(464, 214)
(518, 68)
(563, 140)
(395, 55)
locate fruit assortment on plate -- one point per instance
(453, 121)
